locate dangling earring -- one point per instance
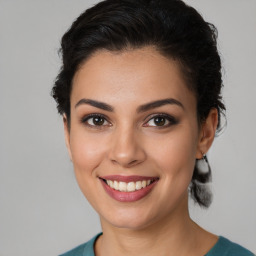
(199, 187)
(202, 165)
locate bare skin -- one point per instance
(121, 135)
(171, 237)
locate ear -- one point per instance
(207, 133)
(67, 135)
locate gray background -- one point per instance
(42, 211)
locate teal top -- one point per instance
(223, 247)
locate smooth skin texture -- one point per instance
(118, 135)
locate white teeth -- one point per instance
(128, 187)
(122, 186)
(131, 186)
(116, 185)
(138, 185)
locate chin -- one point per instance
(131, 224)
(132, 219)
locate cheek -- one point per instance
(175, 158)
(175, 154)
(87, 153)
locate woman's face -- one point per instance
(133, 136)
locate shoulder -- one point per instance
(86, 249)
(227, 248)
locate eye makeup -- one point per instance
(161, 120)
(95, 120)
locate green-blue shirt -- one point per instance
(223, 247)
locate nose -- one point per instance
(126, 148)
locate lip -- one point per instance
(128, 196)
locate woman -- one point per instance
(140, 95)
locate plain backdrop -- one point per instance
(42, 211)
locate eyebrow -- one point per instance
(142, 108)
(95, 103)
(159, 103)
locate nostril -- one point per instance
(133, 162)
(127, 164)
(114, 161)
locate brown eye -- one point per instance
(98, 120)
(159, 121)
(95, 120)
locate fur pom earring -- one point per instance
(203, 168)
(199, 187)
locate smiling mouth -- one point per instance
(129, 186)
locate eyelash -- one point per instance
(85, 119)
(170, 119)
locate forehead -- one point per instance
(132, 75)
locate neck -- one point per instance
(175, 234)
